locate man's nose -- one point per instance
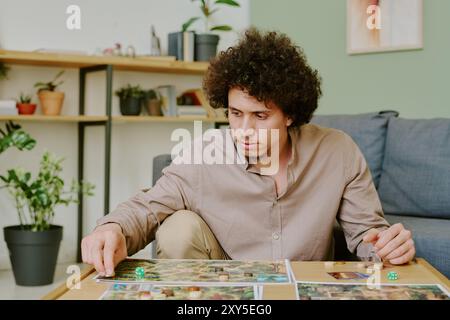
(248, 126)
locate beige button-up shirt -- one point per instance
(328, 180)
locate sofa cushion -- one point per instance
(368, 130)
(431, 237)
(415, 179)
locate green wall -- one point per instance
(415, 83)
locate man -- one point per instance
(247, 210)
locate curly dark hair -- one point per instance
(270, 68)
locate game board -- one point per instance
(359, 291)
(123, 291)
(228, 272)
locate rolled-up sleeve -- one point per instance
(360, 208)
(140, 216)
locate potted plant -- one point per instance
(24, 105)
(3, 71)
(51, 100)
(34, 243)
(130, 100)
(206, 43)
(153, 102)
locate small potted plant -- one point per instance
(130, 100)
(24, 105)
(152, 102)
(51, 100)
(206, 43)
(34, 243)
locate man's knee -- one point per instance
(180, 236)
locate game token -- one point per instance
(139, 272)
(248, 274)
(392, 275)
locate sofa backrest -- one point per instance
(415, 178)
(368, 130)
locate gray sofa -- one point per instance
(410, 165)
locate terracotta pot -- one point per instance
(26, 108)
(153, 107)
(51, 102)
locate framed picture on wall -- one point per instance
(384, 25)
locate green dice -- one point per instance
(392, 275)
(139, 272)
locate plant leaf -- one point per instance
(228, 2)
(221, 28)
(188, 23)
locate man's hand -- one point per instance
(104, 248)
(394, 245)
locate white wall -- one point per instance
(29, 25)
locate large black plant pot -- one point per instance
(130, 106)
(206, 46)
(33, 254)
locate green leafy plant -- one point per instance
(130, 92)
(51, 85)
(36, 199)
(3, 71)
(152, 94)
(15, 137)
(25, 98)
(208, 8)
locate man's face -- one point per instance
(253, 123)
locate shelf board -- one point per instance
(122, 119)
(116, 119)
(42, 118)
(156, 64)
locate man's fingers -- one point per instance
(395, 243)
(400, 251)
(387, 235)
(109, 252)
(97, 258)
(371, 235)
(405, 258)
(84, 253)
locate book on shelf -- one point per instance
(8, 107)
(200, 98)
(189, 110)
(169, 100)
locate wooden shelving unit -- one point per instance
(88, 64)
(154, 64)
(123, 119)
(42, 118)
(114, 119)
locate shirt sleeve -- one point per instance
(360, 208)
(141, 215)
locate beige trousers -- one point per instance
(185, 235)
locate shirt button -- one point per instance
(276, 236)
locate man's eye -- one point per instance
(261, 116)
(234, 113)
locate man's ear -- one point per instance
(289, 122)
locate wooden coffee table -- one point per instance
(417, 272)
